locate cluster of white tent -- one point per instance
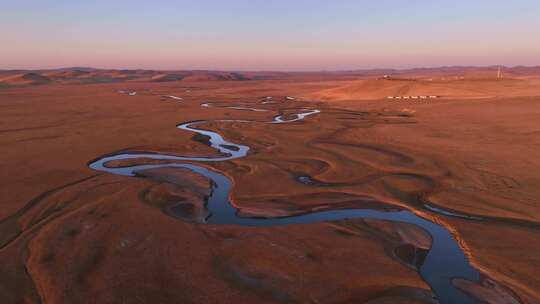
(413, 97)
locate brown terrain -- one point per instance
(69, 234)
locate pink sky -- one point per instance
(262, 35)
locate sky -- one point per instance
(286, 35)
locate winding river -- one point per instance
(444, 261)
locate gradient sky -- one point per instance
(268, 34)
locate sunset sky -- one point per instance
(268, 34)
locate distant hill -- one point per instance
(167, 77)
(67, 74)
(25, 79)
(451, 70)
(80, 75)
(216, 76)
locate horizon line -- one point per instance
(270, 71)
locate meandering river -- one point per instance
(444, 261)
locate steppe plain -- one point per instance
(467, 160)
